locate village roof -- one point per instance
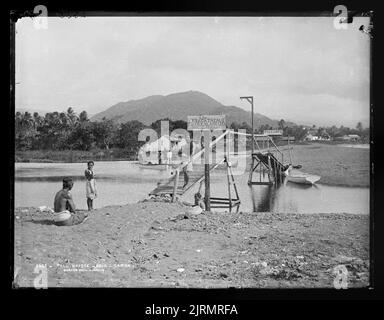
(162, 144)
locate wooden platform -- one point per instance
(273, 167)
(198, 173)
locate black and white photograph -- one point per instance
(192, 151)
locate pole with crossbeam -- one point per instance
(250, 100)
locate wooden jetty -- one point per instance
(266, 160)
(265, 156)
(173, 186)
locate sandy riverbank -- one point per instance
(144, 245)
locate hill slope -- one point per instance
(178, 106)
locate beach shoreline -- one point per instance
(155, 244)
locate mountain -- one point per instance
(178, 106)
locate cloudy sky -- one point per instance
(297, 68)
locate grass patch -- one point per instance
(336, 165)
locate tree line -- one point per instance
(299, 132)
(67, 130)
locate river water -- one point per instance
(122, 182)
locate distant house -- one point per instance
(351, 137)
(310, 137)
(313, 135)
(354, 137)
(324, 136)
(161, 151)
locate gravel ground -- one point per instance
(154, 244)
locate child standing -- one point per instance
(90, 185)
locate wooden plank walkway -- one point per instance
(274, 166)
(195, 177)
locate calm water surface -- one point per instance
(122, 182)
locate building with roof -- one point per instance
(162, 150)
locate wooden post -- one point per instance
(290, 152)
(206, 171)
(251, 169)
(276, 173)
(270, 168)
(234, 184)
(228, 142)
(250, 100)
(253, 130)
(229, 187)
(175, 186)
(207, 188)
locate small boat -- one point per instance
(300, 177)
(156, 166)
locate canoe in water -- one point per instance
(156, 166)
(301, 177)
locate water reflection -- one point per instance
(296, 198)
(266, 198)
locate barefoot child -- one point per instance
(199, 199)
(90, 185)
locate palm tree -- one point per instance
(26, 120)
(37, 120)
(71, 116)
(63, 119)
(83, 117)
(18, 118)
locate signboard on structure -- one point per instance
(207, 122)
(273, 132)
(290, 138)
